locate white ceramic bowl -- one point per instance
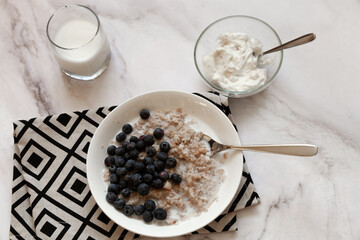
(210, 120)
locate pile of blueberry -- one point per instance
(130, 173)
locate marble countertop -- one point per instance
(313, 99)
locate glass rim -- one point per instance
(246, 92)
(62, 8)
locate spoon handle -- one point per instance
(305, 150)
(296, 42)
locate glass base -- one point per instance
(93, 76)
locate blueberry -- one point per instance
(149, 140)
(134, 139)
(112, 169)
(157, 184)
(140, 145)
(171, 162)
(143, 189)
(144, 113)
(131, 146)
(150, 205)
(134, 154)
(164, 175)
(110, 197)
(147, 178)
(148, 216)
(129, 165)
(128, 178)
(126, 192)
(109, 160)
(159, 166)
(127, 128)
(114, 188)
(111, 150)
(119, 161)
(119, 204)
(158, 133)
(148, 160)
(150, 168)
(114, 178)
(142, 137)
(155, 175)
(139, 167)
(139, 209)
(164, 146)
(151, 151)
(120, 151)
(121, 171)
(128, 210)
(126, 156)
(160, 214)
(176, 178)
(136, 179)
(120, 137)
(162, 156)
(125, 143)
(122, 184)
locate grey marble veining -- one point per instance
(313, 99)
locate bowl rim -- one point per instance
(247, 92)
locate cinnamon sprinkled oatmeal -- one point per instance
(201, 174)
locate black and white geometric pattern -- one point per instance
(50, 195)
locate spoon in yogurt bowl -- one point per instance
(304, 150)
(293, 43)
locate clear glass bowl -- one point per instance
(208, 40)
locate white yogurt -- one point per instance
(232, 66)
(84, 53)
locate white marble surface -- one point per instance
(315, 98)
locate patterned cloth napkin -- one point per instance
(50, 195)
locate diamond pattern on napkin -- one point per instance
(50, 195)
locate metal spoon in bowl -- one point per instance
(305, 150)
(293, 43)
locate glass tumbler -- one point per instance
(78, 42)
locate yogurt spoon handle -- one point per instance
(293, 43)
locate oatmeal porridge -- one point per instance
(185, 179)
